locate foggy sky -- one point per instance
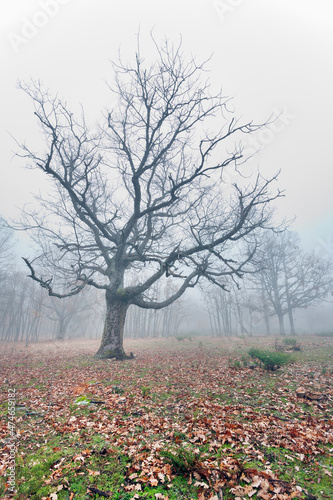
(273, 56)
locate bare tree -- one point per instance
(145, 323)
(68, 313)
(311, 284)
(238, 309)
(6, 246)
(20, 306)
(290, 278)
(7, 283)
(146, 191)
(219, 305)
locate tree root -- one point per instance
(114, 354)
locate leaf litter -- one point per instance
(176, 412)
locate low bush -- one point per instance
(271, 360)
(183, 337)
(182, 461)
(145, 391)
(290, 342)
(235, 364)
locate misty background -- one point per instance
(272, 57)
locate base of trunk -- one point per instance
(108, 353)
(113, 334)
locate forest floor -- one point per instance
(185, 419)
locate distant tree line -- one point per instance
(284, 278)
(28, 314)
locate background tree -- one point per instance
(290, 278)
(68, 313)
(311, 284)
(7, 295)
(220, 308)
(6, 246)
(237, 310)
(145, 323)
(145, 192)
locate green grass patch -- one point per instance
(290, 341)
(271, 360)
(61, 463)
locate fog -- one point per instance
(272, 58)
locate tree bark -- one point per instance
(113, 334)
(290, 312)
(265, 309)
(281, 323)
(267, 325)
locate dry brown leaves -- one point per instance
(184, 407)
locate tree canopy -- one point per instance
(144, 197)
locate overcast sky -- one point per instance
(272, 56)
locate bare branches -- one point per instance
(189, 282)
(146, 191)
(290, 278)
(47, 283)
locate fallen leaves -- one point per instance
(80, 389)
(195, 403)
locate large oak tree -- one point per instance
(146, 193)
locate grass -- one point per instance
(92, 468)
(183, 420)
(290, 341)
(271, 360)
(182, 460)
(290, 468)
(80, 470)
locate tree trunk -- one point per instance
(291, 321)
(290, 312)
(281, 323)
(265, 308)
(278, 306)
(61, 331)
(113, 334)
(267, 325)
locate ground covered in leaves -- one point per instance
(192, 419)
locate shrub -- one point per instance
(239, 364)
(235, 364)
(289, 341)
(271, 360)
(145, 391)
(182, 461)
(183, 337)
